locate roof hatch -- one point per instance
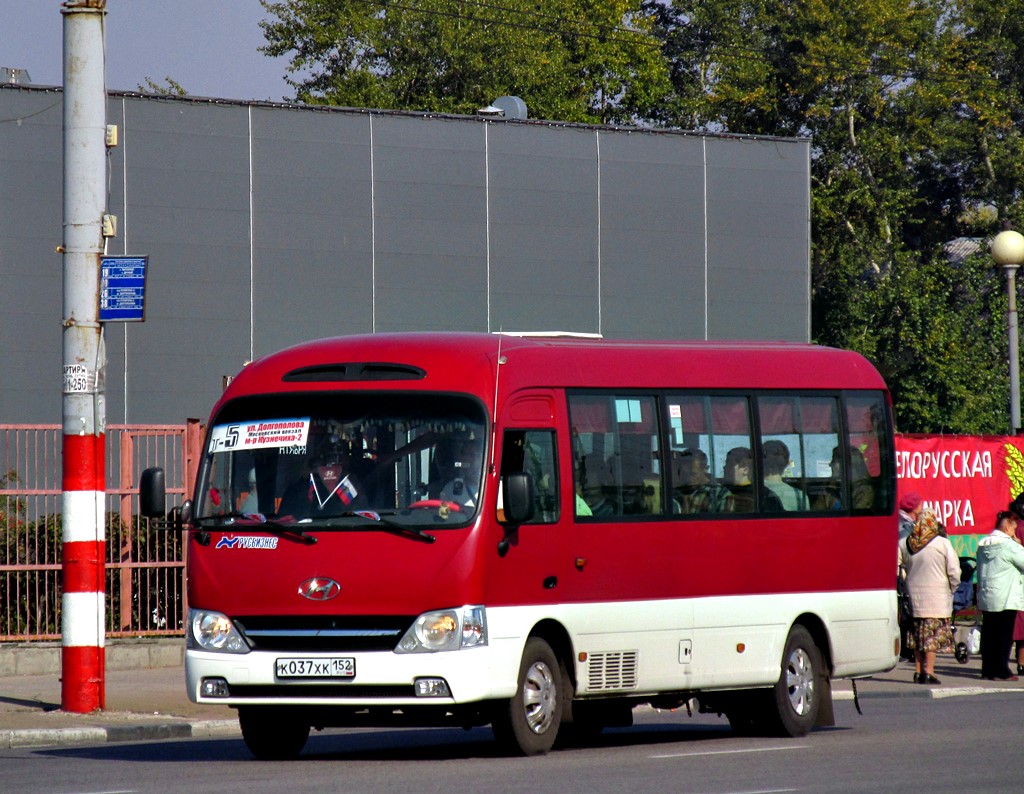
(357, 371)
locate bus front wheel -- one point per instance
(528, 723)
(796, 698)
(272, 736)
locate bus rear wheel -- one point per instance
(796, 697)
(528, 723)
(271, 735)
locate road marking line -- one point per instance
(733, 752)
(765, 791)
(115, 791)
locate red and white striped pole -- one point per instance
(83, 463)
(83, 606)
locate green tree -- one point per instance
(593, 61)
(982, 45)
(915, 109)
(912, 107)
(172, 87)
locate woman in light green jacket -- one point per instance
(1000, 595)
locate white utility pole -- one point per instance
(83, 476)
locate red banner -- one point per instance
(964, 480)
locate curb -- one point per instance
(50, 737)
(927, 692)
(940, 694)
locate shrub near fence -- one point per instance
(144, 580)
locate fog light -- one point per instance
(213, 688)
(432, 688)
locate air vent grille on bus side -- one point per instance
(361, 370)
(613, 670)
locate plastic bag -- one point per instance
(974, 640)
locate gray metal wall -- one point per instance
(268, 225)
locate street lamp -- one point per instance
(1008, 253)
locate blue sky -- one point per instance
(208, 46)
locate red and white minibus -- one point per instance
(538, 533)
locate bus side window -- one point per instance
(533, 452)
(616, 455)
(867, 429)
(799, 443)
(710, 435)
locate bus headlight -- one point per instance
(446, 630)
(213, 631)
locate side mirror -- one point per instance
(517, 490)
(152, 493)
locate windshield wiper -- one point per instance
(258, 521)
(401, 529)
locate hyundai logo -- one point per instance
(319, 589)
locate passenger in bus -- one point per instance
(863, 493)
(579, 486)
(776, 460)
(698, 492)
(738, 477)
(250, 504)
(594, 486)
(861, 482)
(460, 469)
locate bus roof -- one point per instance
(465, 362)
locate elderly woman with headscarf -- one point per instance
(932, 574)
(910, 511)
(1000, 594)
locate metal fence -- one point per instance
(144, 567)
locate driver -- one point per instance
(325, 487)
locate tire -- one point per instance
(961, 653)
(272, 736)
(795, 696)
(528, 723)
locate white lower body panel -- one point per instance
(620, 649)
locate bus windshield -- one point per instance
(340, 458)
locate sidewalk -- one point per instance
(149, 702)
(144, 683)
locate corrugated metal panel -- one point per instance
(758, 240)
(269, 225)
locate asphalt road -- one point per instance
(898, 744)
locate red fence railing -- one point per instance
(145, 588)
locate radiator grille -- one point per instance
(333, 634)
(613, 670)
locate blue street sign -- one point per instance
(123, 288)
